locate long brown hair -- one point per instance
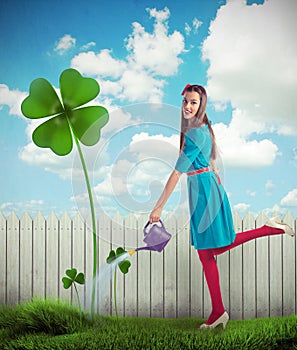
(198, 120)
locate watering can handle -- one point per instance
(146, 226)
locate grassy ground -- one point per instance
(52, 325)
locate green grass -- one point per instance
(54, 325)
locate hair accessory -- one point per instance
(185, 88)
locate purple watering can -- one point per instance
(156, 238)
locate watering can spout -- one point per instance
(131, 252)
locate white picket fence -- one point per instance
(258, 279)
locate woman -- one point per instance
(211, 225)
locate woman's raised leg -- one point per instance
(272, 227)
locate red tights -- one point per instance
(211, 273)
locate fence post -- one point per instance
(105, 244)
(118, 241)
(262, 271)
(170, 270)
(289, 270)
(236, 277)
(275, 275)
(26, 236)
(13, 259)
(52, 256)
(3, 282)
(144, 272)
(183, 268)
(249, 271)
(131, 278)
(79, 252)
(65, 254)
(39, 273)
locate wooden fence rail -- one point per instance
(258, 279)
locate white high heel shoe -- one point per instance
(275, 223)
(221, 320)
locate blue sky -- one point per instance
(143, 53)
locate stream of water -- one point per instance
(103, 285)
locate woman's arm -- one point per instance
(168, 189)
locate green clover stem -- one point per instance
(92, 214)
(115, 291)
(79, 306)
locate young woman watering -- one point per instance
(211, 226)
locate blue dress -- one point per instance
(211, 224)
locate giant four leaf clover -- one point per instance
(67, 119)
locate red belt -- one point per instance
(203, 170)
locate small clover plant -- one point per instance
(69, 120)
(72, 277)
(123, 265)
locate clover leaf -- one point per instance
(73, 277)
(67, 120)
(120, 251)
(111, 257)
(123, 265)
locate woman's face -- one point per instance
(191, 103)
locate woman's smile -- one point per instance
(191, 103)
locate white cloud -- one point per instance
(269, 186)
(64, 44)
(88, 45)
(157, 52)
(252, 54)
(101, 64)
(31, 206)
(239, 152)
(108, 87)
(251, 193)
(188, 29)
(146, 146)
(237, 147)
(273, 211)
(241, 207)
(195, 25)
(11, 98)
(46, 159)
(139, 86)
(290, 199)
(150, 56)
(6, 205)
(294, 152)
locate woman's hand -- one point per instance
(155, 215)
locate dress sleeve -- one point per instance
(194, 141)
